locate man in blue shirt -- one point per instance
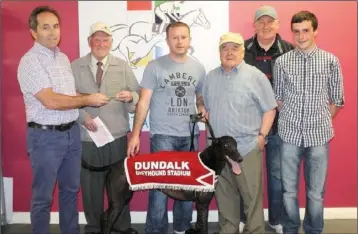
(240, 103)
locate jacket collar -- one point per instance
(86, 61)
(277, 43)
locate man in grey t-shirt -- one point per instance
(168, 88)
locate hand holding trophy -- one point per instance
(118, 93)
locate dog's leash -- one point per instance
(194, 119)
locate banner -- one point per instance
(169, 170)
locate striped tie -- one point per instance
(99, 74)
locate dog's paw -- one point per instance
(190, 231)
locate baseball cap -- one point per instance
(265, 10)
(100, 27)
(231, 37)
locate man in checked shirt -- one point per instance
(53, 136)
(308, 85)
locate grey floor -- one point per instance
(331, 226)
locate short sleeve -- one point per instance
(32, 76)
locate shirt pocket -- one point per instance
(115, 82)
(62, 80)
(319, 83)
(295, 83)
(240, 98)
(85, 82)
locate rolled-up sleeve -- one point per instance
(335, 84)
(278, 81)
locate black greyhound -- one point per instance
(222, 150)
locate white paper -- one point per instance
(102, 136)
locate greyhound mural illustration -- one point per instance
(135, 42)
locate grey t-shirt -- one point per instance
(173, 101)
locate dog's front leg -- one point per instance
(104, 221)
(202, 208)
(201, 225)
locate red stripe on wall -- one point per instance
(342, 170)
(139, 5)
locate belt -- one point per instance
(61, 127)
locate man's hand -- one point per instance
(133, 146)
(90, 124)
(261, 141)
(124, 96)
(204, 114)
(279, 105)
(97, 99)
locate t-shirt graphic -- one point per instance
(180, 90)
(173, 100)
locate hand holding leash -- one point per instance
(205, 114)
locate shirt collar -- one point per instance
(44, 50)
(234, 70)
(307, 55)
(273, 46)
(94, 61)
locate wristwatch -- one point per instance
(263, 135)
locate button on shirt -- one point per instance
(306, 84)
(236, 103)
(42, 68)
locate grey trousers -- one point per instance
(93, 183)
(248, 185)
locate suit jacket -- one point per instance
(118, 75)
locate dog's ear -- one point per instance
(214, 140)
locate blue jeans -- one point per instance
(54, 155)
(315, 164)
(274, 184)
(157, 213)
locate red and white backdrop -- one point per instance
(137, 42)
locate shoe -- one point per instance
(277, 228)
(176, 232)
(241, 227)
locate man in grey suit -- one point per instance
(101, 72)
